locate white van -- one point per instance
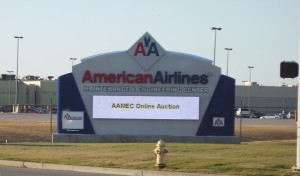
(243, 112)
(291, 115)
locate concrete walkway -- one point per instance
(100, 170)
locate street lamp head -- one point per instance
(228, 49)
(216, 28)
(18, 37)
(72, 58)
(250, 67)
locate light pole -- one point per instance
(283, 100)
(244, 93)
(297, 167)
(72, 59)
(227, 49)
(215, 29)
(9, 88)
(17, 75)
(242, 107)
(250, 85)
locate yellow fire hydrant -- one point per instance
(160, 153)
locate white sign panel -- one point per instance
(146, 107)
(72, 120)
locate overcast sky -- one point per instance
(262, 33)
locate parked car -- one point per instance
(271, 116)
(282, 115)
(30, 110)
(53, 110)
(247, 112)
(6, 108)
(291, 115)
(243, 112)
(40, 110)
(37, 110)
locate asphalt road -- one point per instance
(13, 171)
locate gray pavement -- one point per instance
(256, 121)
(69, 169)
(27, 116)
(13, 171)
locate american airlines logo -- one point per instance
(69, 117)
(146, 51)
(146, 47)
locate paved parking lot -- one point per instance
(256, 121)
(27, 116)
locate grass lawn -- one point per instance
(30, 141)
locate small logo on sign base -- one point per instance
(218, 121)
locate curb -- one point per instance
(57, 167)
(11, 163)
(99, 170)
(31, 165)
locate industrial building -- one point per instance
(32, 91)
(266, 99)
